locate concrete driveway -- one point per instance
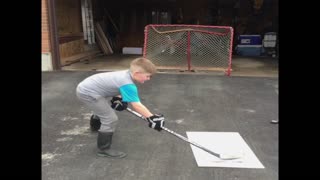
(190, 102)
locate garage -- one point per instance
(83, 30)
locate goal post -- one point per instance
(189, 47)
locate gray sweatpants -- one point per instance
(100, 107)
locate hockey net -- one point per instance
(189, 47)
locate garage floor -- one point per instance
(202, 102)
(241, 66)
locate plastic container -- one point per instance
(249, 40)
(249, 50)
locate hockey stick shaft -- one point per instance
(177, 135)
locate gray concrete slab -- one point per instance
(241, 66)
(197, 102)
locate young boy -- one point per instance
(95, 90)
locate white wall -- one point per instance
(46, 62)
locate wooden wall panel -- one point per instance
(68, 17)
(71, 48)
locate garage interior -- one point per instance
(93, 31)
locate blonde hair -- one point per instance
(142, 65)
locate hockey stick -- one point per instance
(220, 156)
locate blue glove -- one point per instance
(118, 104)
(156, 121)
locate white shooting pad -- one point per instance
(225, 143)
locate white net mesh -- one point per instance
(189, 47)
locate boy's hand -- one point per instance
(156, 121)
(118, 104)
